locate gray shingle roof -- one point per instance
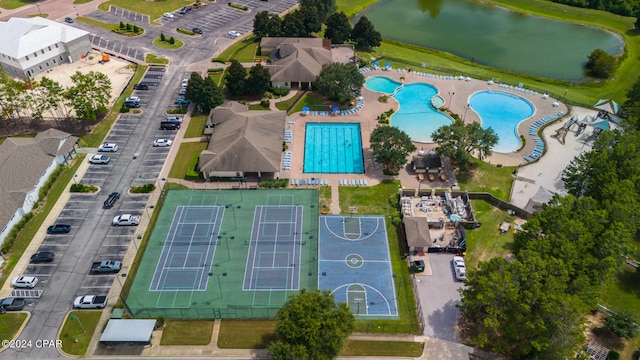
(22, 163)
(297, 59)
(243, 140)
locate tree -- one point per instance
(458, 140)
(340, 82)
(600, 64)
(622, 324)
(204, 92)
(163, 38)
(258, 81)
(324, 8)
(310, 325)
(293, 25)
(90, 92)
(235, 79)
(390, 147)
(311, 20)
(274, 26)
(260, 22)
(338, 28)
(365, 35)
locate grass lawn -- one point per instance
(311, 99)
(189, 332)
(106, 26)
(196, 126)
(29, 231)
(183, 159)
(246, 334)
(247, 54)
(13, 4)
(375, 200)
(489, 178)
(352, 7)
(325, 198)
(165, 44)
(284, 105)
(99, 132)
(153, 8)
(258, 107)
(486, 242)
(79, 325)
(217, 77)
(10, 323)
(78, 2)
(230, 52)
(383, 348)
(155, 60)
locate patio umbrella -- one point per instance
(603, 125)
(387, 64)
(455, 217)
(305, 108)
(607, 105)
(375, 63)
(335, 108)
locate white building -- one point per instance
(25, 165)
(35, 45)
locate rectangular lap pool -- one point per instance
(333, 148)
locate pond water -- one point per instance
(493, 36)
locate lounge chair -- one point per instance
(365, 181)
(340, 182)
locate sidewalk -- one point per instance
(54, 9)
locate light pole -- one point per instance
(564, 97)
(451, 93)
(465, 112)
(76, 9)
(220, 237)
(358, 301)
(39, 12)
(219, 282)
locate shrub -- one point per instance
(144, 189)
(279, 91)
(136, 29)
(192, 172)
(613, 355)
(383, 98)
(160, 321)
(177, 111)
(162, 37)
(394, 201)
(129, 27)
(172, 40)
(622, 324)
(217, 59)
(80, 188)
(215, 70)
(124, 109)
(47, 185)
(276, 183)
(265, 103)
(122, 26)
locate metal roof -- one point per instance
(128, 330)
(22, 37)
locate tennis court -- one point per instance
(234, 254)
(355, 266)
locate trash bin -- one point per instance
(417, 266)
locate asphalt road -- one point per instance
(92, 237)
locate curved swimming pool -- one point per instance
(502, 112)
(416, 116)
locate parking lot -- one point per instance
(438, 296)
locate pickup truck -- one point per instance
(90, 302)
(125, 220)
(106, 266)
(12, 304)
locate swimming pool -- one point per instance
(333, 148)
(416, 116)
(502, 112)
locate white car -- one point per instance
(233, 33)
(125, 220)
(108, 147)
(461, 273)
(133, 99)
(25, 282)
(162, 142)
(458, 261)
(182, 91)
(99, 159)
(168, 15)
(177, 119)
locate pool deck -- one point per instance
(461, 91)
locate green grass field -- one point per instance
(77, 331)
(196, 126)
(188, 332)
(183, 159)
(10, 323)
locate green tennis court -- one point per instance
(231, 254)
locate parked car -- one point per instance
(459, 268)
(197, 30)
(182, 91)
(141, 86)
(168, 15)
(169, 125)
(108, 147)
(177, 119)
(90, 302)
(133, 98)
(162, 142)
(12, 304)
(99, 159)
(42, 256)
(68, 20)
(58, 229)
(181, 100)
(28, 282)
(233, 33)
(105, 266)
(132, 104)
(126, 220)
(111, 200)
(461, 273)
(458, 261)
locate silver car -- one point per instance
(99, 159)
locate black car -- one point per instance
(58, 229)
(197, 31)
(111, 200)
(12, 304)
(132, 104)
(141, 86)
(68, 20)
(42, 256)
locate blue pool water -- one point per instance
(502, 112)
(333, 148)
(416, 116)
